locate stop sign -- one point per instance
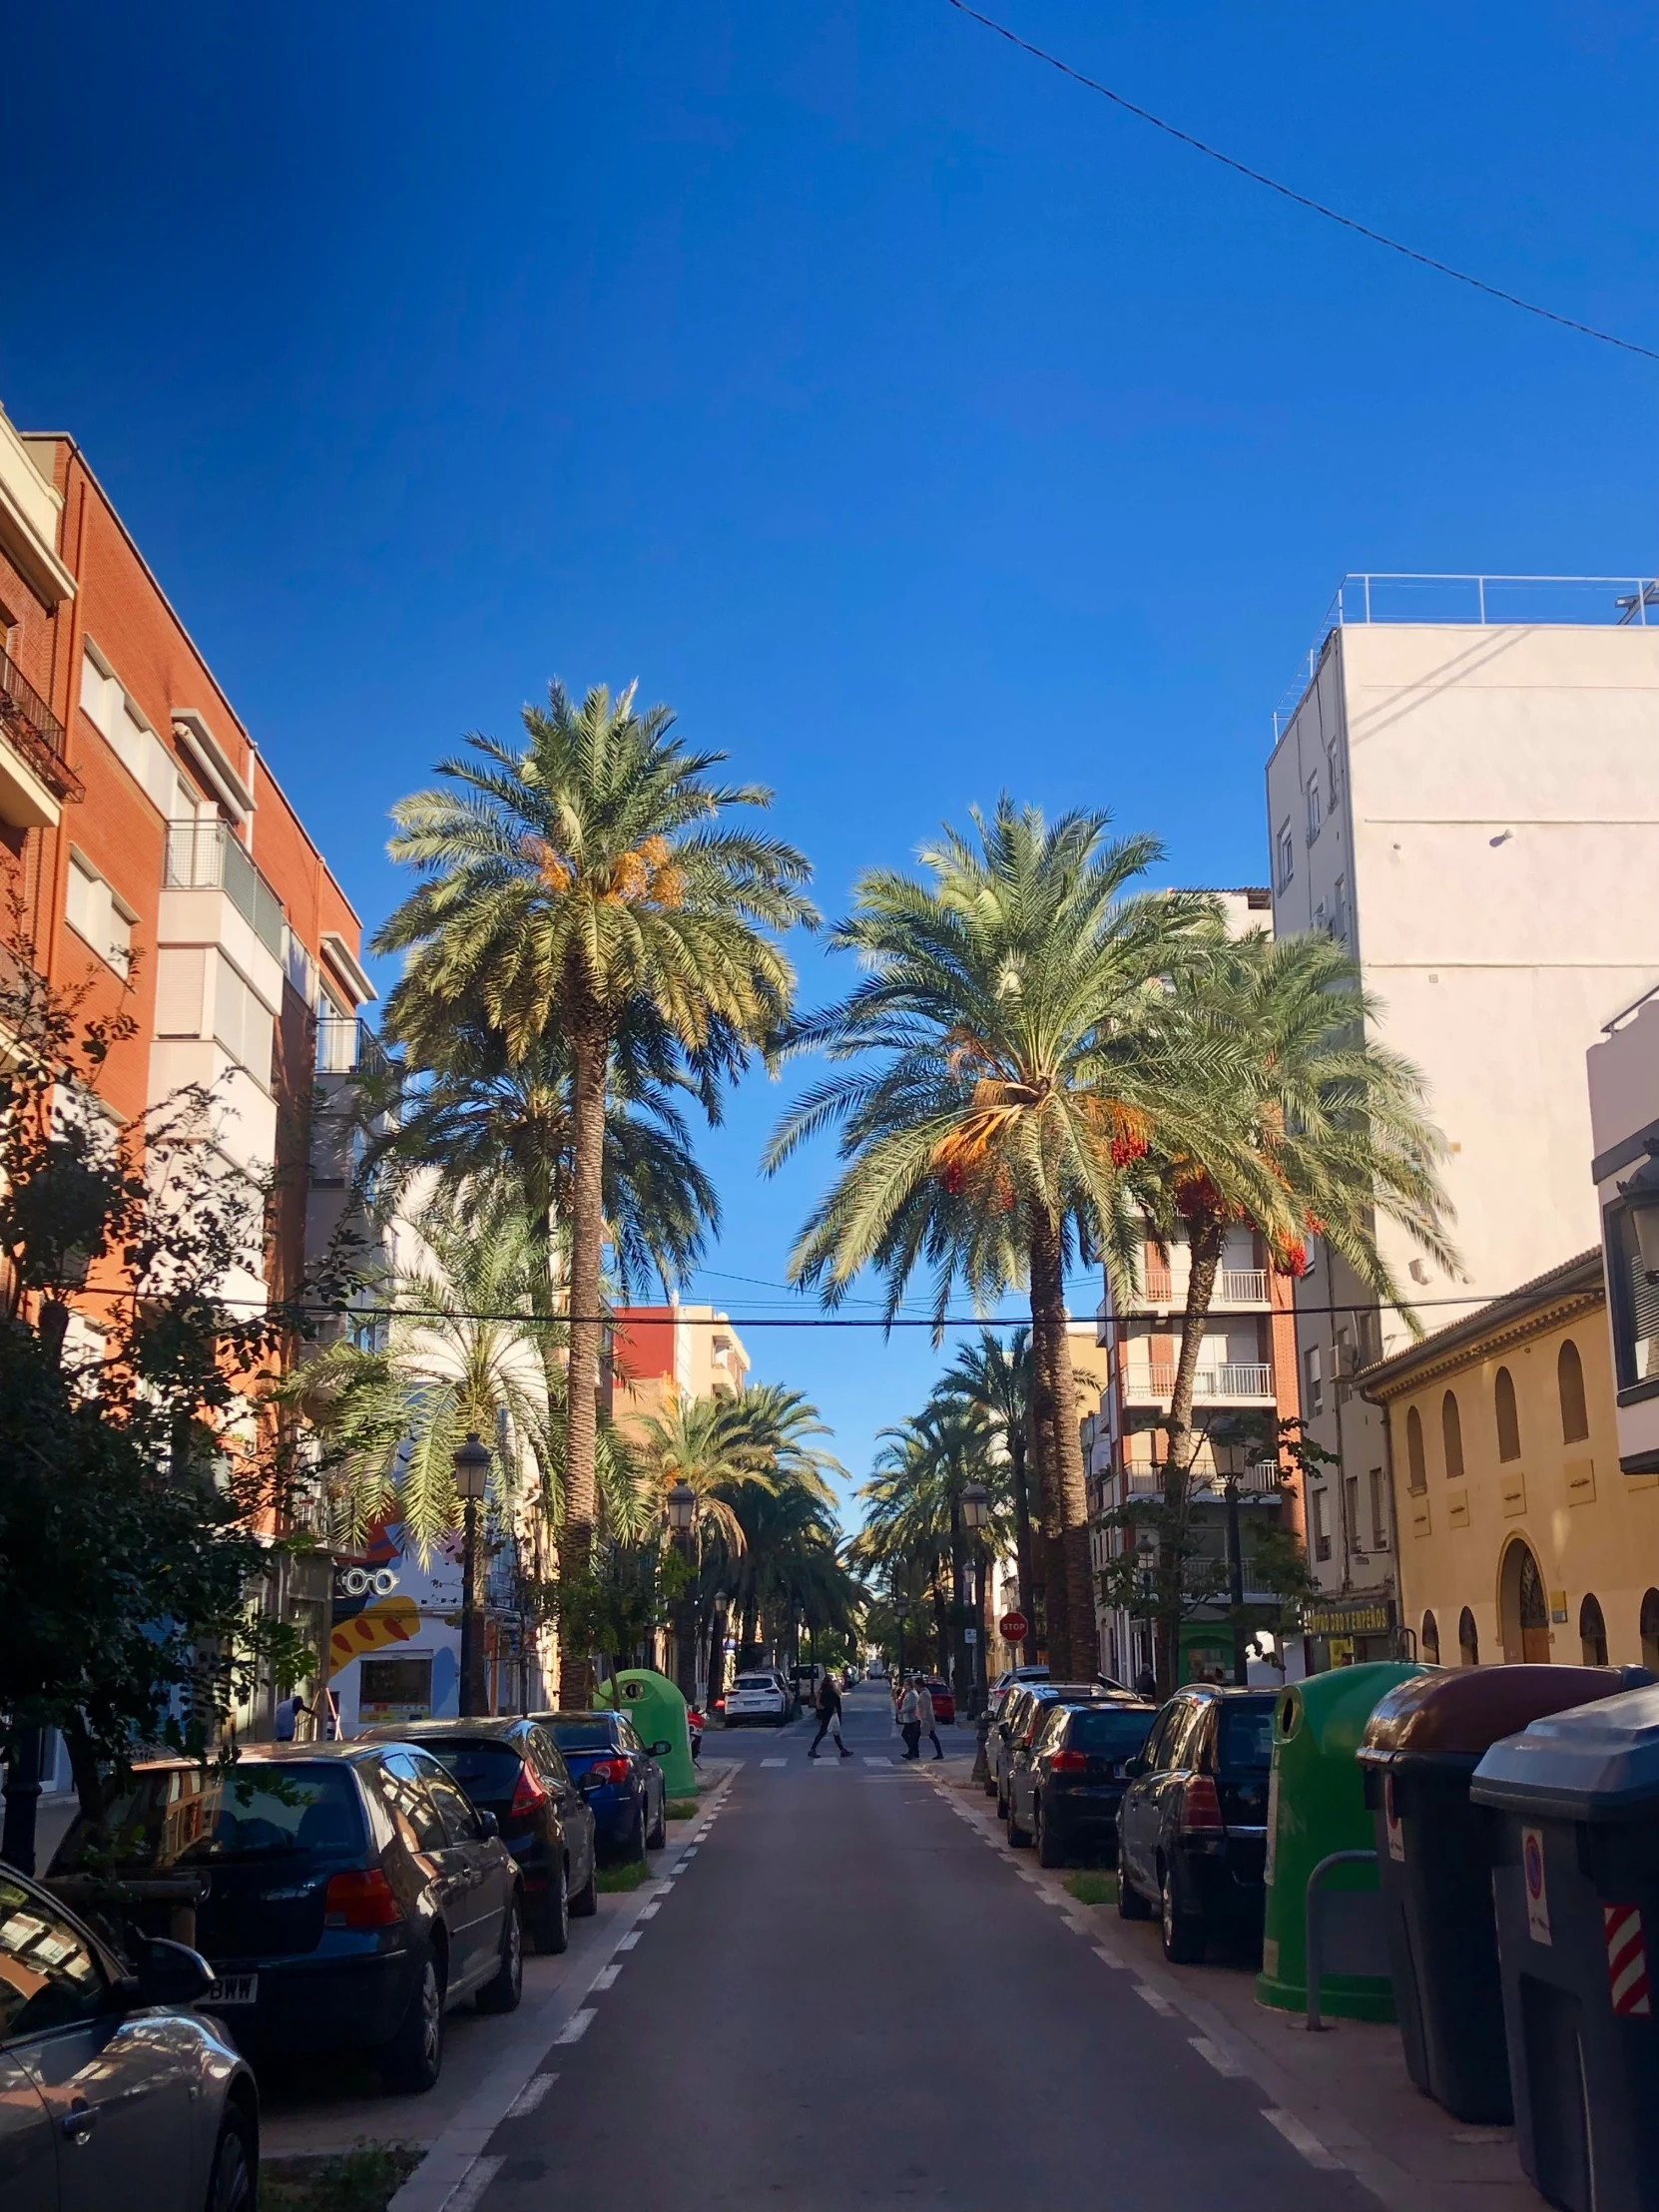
(1015, 1628)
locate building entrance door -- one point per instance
(1524, 1607)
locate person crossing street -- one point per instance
(925, 1720)
(829, 1717)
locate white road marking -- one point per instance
(1213, 2055)
(605, 1978)
(470, 2190)
(774, 1761)
(648, 1912)
(870, 1761)
(1156, 1998)
(630, 1940)
(1119, 1965)
(1303, 2139)
(530, 2095)
(576, 2026)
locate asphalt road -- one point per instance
(846, 2000)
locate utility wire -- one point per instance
(1301, 199)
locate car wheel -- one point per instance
(585, 1902)
(233, 2184)
(502, 1992)
(1017, 1837)
(1131, 1905)
(413, 2059)
(1051, 1853)
(633, 1844)
(658, 1836)
(1183, 1932)
(552, 1931)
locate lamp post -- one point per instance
(1227, 1449)
(976, 1517)
(682, 1518)
(471, 1462)
(1146, 1554)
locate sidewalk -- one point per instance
(1347, 2087)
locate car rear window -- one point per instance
(753, 1682)
(581, 1735)
(1247, 1736)
(1109, 1732)
(484, 1771)
(192, 1816)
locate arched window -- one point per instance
(1650, 1630)
(1469, 1643)
(1430, 1640)
(1508, 1421)
(1523, 1608)
(1592, 1633)
(1569, 1381)
(1451, 1432)
(1416, 1472)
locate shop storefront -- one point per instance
(1341, 1632)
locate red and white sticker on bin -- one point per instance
(1626, 1961)
(1537, 1896)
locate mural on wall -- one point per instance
(393, 1652)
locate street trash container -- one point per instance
(1434, 1864)
(657, 1708)
(1316, 1806)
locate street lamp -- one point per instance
(976, 1518)
(471, 1462)
(682, 1509)
(1227, 1450)
(681, 1516)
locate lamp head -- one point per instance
(682, 1509)
(471, 1462)
(976, 1508)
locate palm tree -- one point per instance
(1016, 1003)
(1322, 1133)
(588, 886)
(997, 1376)
(711, 1446)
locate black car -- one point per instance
(1008, 1741)
(1193, 1825)
(1064, 1797)
(514, 1768)
(348, 1896)
(617, 1774)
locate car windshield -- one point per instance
(484, 1771)
(581, 1735)
(1109, 1731)
(197, 1816)
(1247, 1736)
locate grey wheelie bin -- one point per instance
(1575, 1884)
(1434, 1856)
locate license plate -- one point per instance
(233, 1988)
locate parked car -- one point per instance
(756, 1697)
(1010, 1731)
(618, 1776)
(1192, 1827)
(944, 1702)
(347, 1895)
(112, 2091)
(1011, 1675)
(515, 1770)
(1064, 1797)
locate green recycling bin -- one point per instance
(658, 1711)
(1317, 1805)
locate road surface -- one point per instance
(845, 1999)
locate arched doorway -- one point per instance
(1428, 1642)
(1650, 1630)
(1468, 1642)
(1592, 1633)
(1523, 1609)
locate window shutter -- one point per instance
(178, 991)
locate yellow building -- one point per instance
(1519, 1538)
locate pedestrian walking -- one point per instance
(288, 1717)
(829, 1717)
(1146, 1683)
(909, 1720)
(924, 1721)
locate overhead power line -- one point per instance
(1300, 199)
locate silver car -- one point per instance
(112, 2092)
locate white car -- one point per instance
(756, 1697)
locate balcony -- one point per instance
(35, 782)
(1240, 1382)
(348, 1046)
(1260, 1481)
(204, 856)
(1234, 1287)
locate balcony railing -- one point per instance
(1238, 1379)
(34, 731)
(1234, 1287)
(348, 1046)
(204, 856)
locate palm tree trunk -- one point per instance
(1056, 1399)
(1022, 1540)
(590, 1050)
(959, 1676)
(1205, 1240)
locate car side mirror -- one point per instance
(488, 1825)
(168, 1973)
(1135, 1766)
(661, 1747)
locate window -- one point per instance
(1452, 1436)
(1333, 775)
(172, 1817)
(108, 707)
(1428, 1642)
(1321, 1534)
(1508, 1421)
(1246, 1736)
(1569, 1382)
(105, 920)
(1312, 1372)
(1108, 1734)
(1379, 1516)
(460, 1821)
(394, 1690)
(1287, 856)
(417, 1816)
(1592, 1633)
(1469, 1643)
(49, 1974)
(1351, 1499)
(1417, 1470)
(1339, 918)
(241, 1023)
(1313, 808)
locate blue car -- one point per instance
(619, 1776)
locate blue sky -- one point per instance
(911, 420)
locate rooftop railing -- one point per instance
(34, 729)
(1576, 601)
(204, 856)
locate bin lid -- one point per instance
(1449, 1718)
(1588, 1763)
